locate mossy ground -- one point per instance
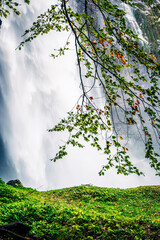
(84, 212)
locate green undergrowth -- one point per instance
(84, 212)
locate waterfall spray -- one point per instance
(37, 93)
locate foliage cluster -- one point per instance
(110, 56)
(8, 5)
(84, 212)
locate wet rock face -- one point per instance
(146, 17)
(14, 183)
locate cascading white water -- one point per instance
(132, 23)
(39, 92)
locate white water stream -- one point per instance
(38, 91)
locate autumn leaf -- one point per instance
(78, 106)
(109, 41)
(151, 67)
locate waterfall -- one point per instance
(132, 23)
(35, 93)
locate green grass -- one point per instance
(84, 212)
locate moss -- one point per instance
(84, 212)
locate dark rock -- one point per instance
(14, 183)
(17, 227)
(16, 230)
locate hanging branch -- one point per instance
(109, 57)
(8, 5)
